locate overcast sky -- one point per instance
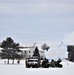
(29, 21)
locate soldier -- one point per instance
(52, 63)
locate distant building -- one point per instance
(28, 52)
(0, 49)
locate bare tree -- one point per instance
(45, 47)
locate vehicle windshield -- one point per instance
(33, 60)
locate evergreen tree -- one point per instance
(10, 50)
(70, 49)
(36, 52)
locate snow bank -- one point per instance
(20, 69)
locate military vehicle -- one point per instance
(33, 62)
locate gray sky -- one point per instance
(29, 21)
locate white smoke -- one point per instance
(57, 52)
(60, 50)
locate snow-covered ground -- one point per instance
(5, 69)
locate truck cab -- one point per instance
(33, 62)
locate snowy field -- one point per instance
(5, 69)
